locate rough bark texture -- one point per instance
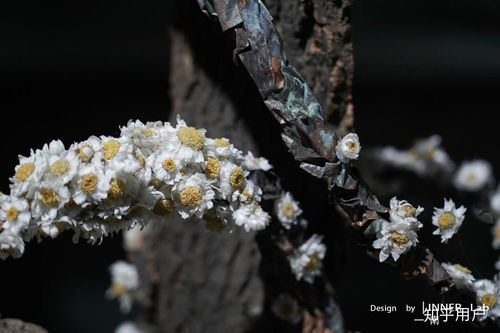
(194, 281)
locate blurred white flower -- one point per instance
(251, 216)
(287, 210)
(461, 276)
(496, 235)
(348, 148)
(472, 176)
(252, 162)
(488, 293)
(124, 281)
(448, 220)
(128, 327)
(306, 261)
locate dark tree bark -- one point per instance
(193, 281)
(17, 326)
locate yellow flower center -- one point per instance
(48, 197)
(168, 164)
(446, 220)
(409, 210)
(59, 167)
(190, 196)
(116, 189)
(398, 239)
(11, 214)
(287, 209)
(313, 261)
(471, 177)
(462, 269)
(247, 195)
(489, 300)
(140, 159)
(497, 231)
(149, 133)
(110, 149)
(351, 145)
(191, 137)
(88, 183)
(222, 143)
(236, 178)
(84, 153)
(24, 171)
(163, 207)
(118, 288)
(213, 168)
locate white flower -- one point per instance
(256, 163)
(461, 276)
(62, 164)
(29, 172)
(287, 308)
(488, 293)
(49, 198)
(306, 261)
(124, 281)
(496, 235)
(166, 166)
(448, 220)
(91, 185)
(287, 210)
(472, 175)
(15, 213)
(395, 238)
(195, 195)
(348, 148)
(495, 202)
(128, 327)
(250, 193)
(222, 148)
(189, 142)
(11, 244)
(251, 217)
(147, 137)
(402, 211)
(232, 178)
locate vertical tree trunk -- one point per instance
(194, 281)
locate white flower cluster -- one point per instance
(124, 282)
(426, 157)
(306, 261)
(106, 184)
(400, 234)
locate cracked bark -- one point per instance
(193, 281)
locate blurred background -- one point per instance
(72, 69)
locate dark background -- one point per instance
(72, 69)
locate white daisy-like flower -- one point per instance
(348, 148)
(251, 216)
(194, 194)
(287, 210)
(395, 238)
(448, 220)
(190, 142)
(11, 244)
(496, 235)
(461, 276)
(252, 162)
(49, 198)
(88, 151)
(62, 164)
(306, 261)
(166, 166)
(232, 178)
(15, 212)
(222, 148)
(124, 281)
(29, 172)
(286, 308)
(128, 327)
(402, 211)
(472, 176)
(148, 137)
(487, 294)
(248, 194)
(91, 185)
(118, 154)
